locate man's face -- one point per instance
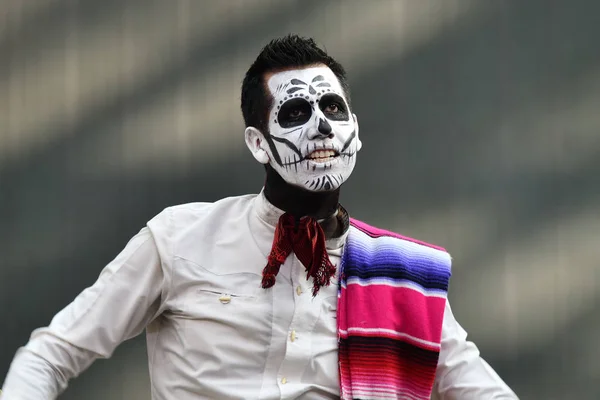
(313, 137)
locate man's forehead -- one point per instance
(279, 82)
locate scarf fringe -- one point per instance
(307, 239)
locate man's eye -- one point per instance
(332, 109)
(295, 113)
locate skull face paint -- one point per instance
(313, 137)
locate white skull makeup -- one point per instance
(313, 138)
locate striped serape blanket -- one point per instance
(390, 310)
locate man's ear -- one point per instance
(255, 141)
(358, 142)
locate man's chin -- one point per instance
(318, 184)
(322, 181)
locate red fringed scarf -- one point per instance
(306, 239)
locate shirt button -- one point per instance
(283, 380)
(299, 290)
(225, 299)
(293, 336)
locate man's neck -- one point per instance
(299, 202)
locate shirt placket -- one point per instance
(300, 332)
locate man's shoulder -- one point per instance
(372, 245)
(231, 204)
(375, 233)
(181, 216)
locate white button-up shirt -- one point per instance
(191, 278)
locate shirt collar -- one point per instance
(270, 214)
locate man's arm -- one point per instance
(462, 373)
(126, 297)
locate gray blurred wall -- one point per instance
(480, 127)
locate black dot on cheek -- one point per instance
(280, 101)
(312, 102)
(275, 121)
(306, 97)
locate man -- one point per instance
(276, 295)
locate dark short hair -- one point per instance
(279, 54)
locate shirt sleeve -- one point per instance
(128, 295)
(462, 373)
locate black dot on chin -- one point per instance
(327, 186)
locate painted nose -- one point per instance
(324, 130)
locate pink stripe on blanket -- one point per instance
(398, 309)
(382, 232)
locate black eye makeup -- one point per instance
(334, 107)
(294, 112)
